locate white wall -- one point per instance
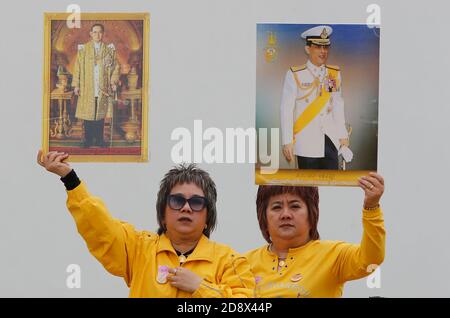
(202, 60)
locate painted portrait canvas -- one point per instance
(95, 101)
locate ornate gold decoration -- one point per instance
(271, 51)
(62, 126)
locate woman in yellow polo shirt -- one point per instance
(177, 261)
(295, 262)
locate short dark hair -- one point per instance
(187, 173)
(308, 194)
(99, 25)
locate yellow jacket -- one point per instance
(319, 268)
(136, 255)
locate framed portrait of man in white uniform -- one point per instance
(317, 88)
(95, 99)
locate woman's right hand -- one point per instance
(373, 186)
(54, 162)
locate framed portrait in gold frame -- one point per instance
(95, 86)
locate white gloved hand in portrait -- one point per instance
(346, 153)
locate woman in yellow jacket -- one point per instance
(295, 262)
(177, 261)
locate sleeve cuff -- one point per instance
(372, 212)
(71, 180)
(79, 193)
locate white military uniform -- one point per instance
(298, 93)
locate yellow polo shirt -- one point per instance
(137, 256)
(319, 268)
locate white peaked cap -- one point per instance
(319, 35)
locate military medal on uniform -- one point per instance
(331, 83)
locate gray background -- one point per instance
(202, 66)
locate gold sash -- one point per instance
(314, 108)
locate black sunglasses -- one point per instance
(196, 203)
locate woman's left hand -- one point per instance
(184, 279)
(373, 186)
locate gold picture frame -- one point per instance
(310, 177)
(124, 121)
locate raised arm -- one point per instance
(353, 260)
(111, 241)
